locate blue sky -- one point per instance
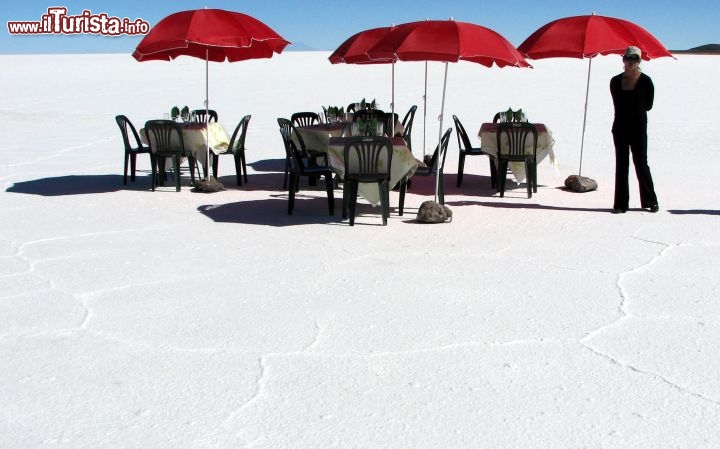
(323, 25)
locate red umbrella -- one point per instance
(209, 34)
(354, 49)
(447, 41)
(586, 37)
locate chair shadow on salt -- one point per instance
(78, 185)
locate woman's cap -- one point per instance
(632, 52)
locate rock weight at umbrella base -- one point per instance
(578, 183)
(209, 185)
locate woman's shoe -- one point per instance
(654, 208)
(617, 210)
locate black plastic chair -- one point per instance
(287, 125)
(299, 166)
(198, 115)
(435, 167)
(131, 151)
(165, 137)
(305, 118)
(407, 123)
(367, 160)
(515, 141)
(237, 149)
(466, 149)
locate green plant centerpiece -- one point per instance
(174, 112)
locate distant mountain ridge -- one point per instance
(703, 49)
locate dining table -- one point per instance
(403, 164)
(545, 142)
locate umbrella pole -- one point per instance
(425, 109)
(438, 162)
(582, 138)
(207, 131)
(391, 132)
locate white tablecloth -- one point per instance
(488, 142)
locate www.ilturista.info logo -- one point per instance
(56, 21)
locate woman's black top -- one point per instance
(631, 106)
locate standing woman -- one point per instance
(632, 94)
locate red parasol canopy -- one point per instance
(210, 34)
(354, 49)
(588, 36)
(447, 41)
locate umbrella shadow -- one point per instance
(504, 205)
(273, 165)
(694, 211)
(262, 181)
(78, 185)
(272, 211)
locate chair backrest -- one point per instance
(165, 137)
(125, 124)
(198, 115)
(462, 137)
(497, 117)
(368, 158)
(350, 108)
(440, 153)
(292, 132)
(237, 141)
(291, 151)
(407, 123)
(388, 120)
(305, 118)
(512, 140)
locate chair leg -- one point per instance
(384, 187)
(244, 165)
(346, 196)
(153, 170)
(287, 171)
(353, 200)
(528, 178)
(291, 194)
(331, 196)
(502, 175)
(403, 189)
(534, 172)
(125, 169)
(133, 163)
(192, 163)
(238, 169)
(176, 168)
(215, 158)
(441, 187)
(461, 167)
(493, 172)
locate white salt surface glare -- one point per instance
(131, 318)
